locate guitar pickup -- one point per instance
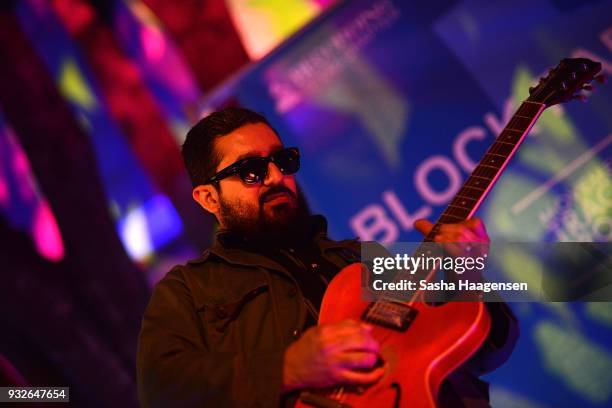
(392, 315)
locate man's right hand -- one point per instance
(330, 355)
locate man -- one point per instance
(236, 327)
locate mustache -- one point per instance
(276, 190)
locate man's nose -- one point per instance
(274, 175)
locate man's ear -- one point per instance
(208, 197)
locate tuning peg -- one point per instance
(601, 78)
(588, 87)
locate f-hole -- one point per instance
(398, 394)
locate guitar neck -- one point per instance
(479, 183)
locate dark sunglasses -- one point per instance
(253, 170)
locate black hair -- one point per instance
(199, 154)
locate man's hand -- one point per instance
(330, 354)
(471, 231)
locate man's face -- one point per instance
(272, 204)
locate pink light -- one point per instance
(324, 3)
(21, 168)
(154, 43)
(4, 193)
(46, 234)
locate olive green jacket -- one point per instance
(216, 329)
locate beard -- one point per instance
(281, 224)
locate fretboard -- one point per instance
(479, 183)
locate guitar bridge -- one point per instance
(392, 315)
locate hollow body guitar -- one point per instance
(422, 344)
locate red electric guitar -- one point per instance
(422, 344)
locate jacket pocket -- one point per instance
(219, 314)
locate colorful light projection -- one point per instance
(166, 73)
(21, 201)
(263, 25)
(145, 218)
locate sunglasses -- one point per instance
(253, 170)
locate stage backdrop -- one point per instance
(393, 102)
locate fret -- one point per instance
(488, 166)
(448, 218)
(493, 160)
(484, 178)
(456, 212)
(519, 123)
(529, 109)
(464, 200)
(501, 148)
(496, 154)
(443, 218)
(510, 137)
(513, 130)
(507, 143)
(475, 182)
(524, 113)
(469, 194)
(429, 237)
(477, 189)
(483, 172)
(459, 207)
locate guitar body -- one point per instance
(438, 340)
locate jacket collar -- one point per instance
(313, 228)
(238, 256)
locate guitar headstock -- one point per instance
(565, 81)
